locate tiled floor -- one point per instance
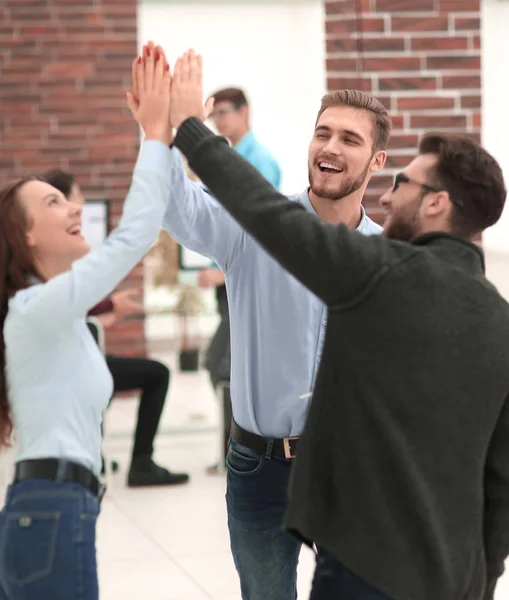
(172, 544)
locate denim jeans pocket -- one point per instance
(90, 507)
(242, 460)
(27, 550)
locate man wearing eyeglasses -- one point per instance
(230, 116)
(402, 221)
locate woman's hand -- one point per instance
(149, 102)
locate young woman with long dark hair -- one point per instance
(54, 383)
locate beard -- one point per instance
(348, 185)
(404, 224)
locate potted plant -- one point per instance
(188, 309)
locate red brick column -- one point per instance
(63, 67)
(421, 58)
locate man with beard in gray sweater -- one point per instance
(402, 472)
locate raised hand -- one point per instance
(187, 90)
(147, 49)
(149, 101)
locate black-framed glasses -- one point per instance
(402, 178)
(222, 112)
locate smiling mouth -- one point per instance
(326, 167)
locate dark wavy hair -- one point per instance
(472, 177)
(16, 263)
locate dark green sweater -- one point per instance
(403, 467)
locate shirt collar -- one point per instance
(245, 142)
(304, 199)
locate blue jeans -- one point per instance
(47, 542)
(265, 556)
(333, 581)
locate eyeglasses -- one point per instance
(402, 178)
(222, 112)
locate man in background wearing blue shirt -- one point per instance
(230, 116)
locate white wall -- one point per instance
(495, 132)
(275, 51)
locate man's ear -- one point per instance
(378, 161)
(438, 203)
(244, 111)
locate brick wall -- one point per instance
(421, 58)
(63, 67)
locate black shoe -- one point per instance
(144, 472)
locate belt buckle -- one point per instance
(287, 445)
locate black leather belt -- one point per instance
(61, 471)
(270, 447)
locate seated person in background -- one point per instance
(150, 376)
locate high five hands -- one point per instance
(185, 88)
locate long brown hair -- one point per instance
(16, 264)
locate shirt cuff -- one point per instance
(154, 156)
(190, 135)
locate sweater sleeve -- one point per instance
(496, 502)
(335, 263)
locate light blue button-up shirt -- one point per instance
(58, 382)
(260, 157)
(277, 325)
